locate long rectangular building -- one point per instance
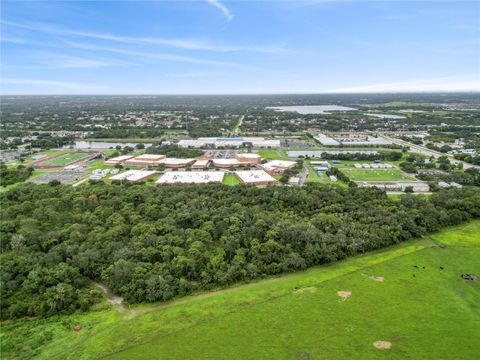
(255, 177)
(326, 140)
(212, 142)
(133, 176)
(191, 177)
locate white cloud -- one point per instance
(447, 84)
(188, 44)
(228, 14)
(63, 85)
(192, 74)
(71, 62)
(158, 56)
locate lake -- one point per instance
(386, 116)
(312, 109)
(82, 145)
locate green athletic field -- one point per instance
(376, 175)
(66, 159)
(423, 311)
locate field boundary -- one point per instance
(366, 260)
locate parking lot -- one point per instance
(63, 176)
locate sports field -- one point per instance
(67, 158)
(410, 297)
(376, 175)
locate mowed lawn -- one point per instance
(425, 312)
(376, 175)
(273, 154)
(66, 159)
(230, 179)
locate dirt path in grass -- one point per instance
(111, 298)
(374, 259)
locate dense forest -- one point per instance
(154, 243)
(174, 151)
(9, 176)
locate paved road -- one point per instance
(428, 152)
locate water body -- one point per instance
(318, 153)
(312, 109)
(83, 145)
(386, 116)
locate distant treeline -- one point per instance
(174, 151)
(154, 243)
(383, 155)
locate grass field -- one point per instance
(66, 159)
(434, 315)
(376, 175)
(230, 179)
(314, 177)
(273, 154)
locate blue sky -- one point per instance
(216, 47)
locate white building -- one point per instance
(133, 175)
(191, 177)
(326, 140)
(255, 177)
(229, 142)
(277, 167)
(118, 159)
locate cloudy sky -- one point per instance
(216, 47)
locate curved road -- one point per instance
(428, 152)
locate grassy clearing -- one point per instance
(376, 175)
(230, 179)
(273, 154)
(239, 124)
(314, 177)
(433, 315)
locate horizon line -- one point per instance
(259, 93)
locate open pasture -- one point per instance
(375, 174)
(405, 302)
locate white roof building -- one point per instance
(228, 142)
(133, 175)
(255, 177)
(277, 167)
(326, 140)
(176, 163)
(191, 177)
(118, 159)
(226, 163)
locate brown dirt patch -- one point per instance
(78, 327)
(380, 344)
(311, 289)
(344, 294)
(377, 278)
